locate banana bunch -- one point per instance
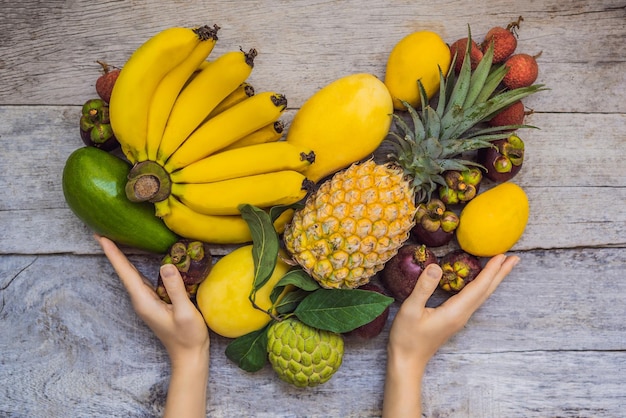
(201, 140)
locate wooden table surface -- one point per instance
(551, 342)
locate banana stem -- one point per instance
(148, 182)
(206, 32)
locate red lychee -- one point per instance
(510, 115)
(504, 44)
(459, 47)
(104, 83)
(523, 71)
(504, 41)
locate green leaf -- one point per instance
(291, 301)
(434, 123)
(249, 351)
(441, 101)
(491, 83)
(295, 277)
(461, 87)
(432, 147)
(300, 279)
(276, 211)
(451, 79)
(418, 132)
(485, 110)
(458, 165)
(423, 95)
(265, 243)
(479, 77)
(404, 128)
(497, 129)
(341, 310)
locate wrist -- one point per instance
(190, 361)
(406, 362)
(187, 391)
(403, 384)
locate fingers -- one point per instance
(426, 285)
(501, 272)
(174, 285)
(477, 291)
(132, 280)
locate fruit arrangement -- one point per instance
(368, 180)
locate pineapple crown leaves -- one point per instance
(440, 134)
(471, 98)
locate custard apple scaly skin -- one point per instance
(302, 355)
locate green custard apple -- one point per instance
(302, 355)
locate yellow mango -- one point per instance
(342, 123)
(223, 296)
(493, 221)
(417, 56)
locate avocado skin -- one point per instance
(93, 186)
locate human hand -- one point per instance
(418, 332)
(178, 325)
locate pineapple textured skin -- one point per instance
(353, 224)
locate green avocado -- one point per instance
(93, 185)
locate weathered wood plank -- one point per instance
(573, 175)
(558, 220)
(549, 342)
(513, 384)
(72, 346)
(48, 57)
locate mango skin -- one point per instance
(93, 186)
(342, 123)
(223, 296)
(417, 56)
(492, 222)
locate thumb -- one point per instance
(426, 284)
(174, 284)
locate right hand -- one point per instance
(418, 332)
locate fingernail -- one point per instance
(433, 271)
(168, 270)
(516, 261)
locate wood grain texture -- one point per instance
(72, 346)
(550, 342)
(557, 177)
(48, 55)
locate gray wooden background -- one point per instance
(550, 342)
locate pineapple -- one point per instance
(352, 224)
(357, 220)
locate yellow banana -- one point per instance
(214, 229)
(203, 65)
(262, 190)
(227, 127)
(246, 161)
(193, 75)
(140, 76)
(207, 89)
(271, 132)
(169, 88)
(241, 93)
